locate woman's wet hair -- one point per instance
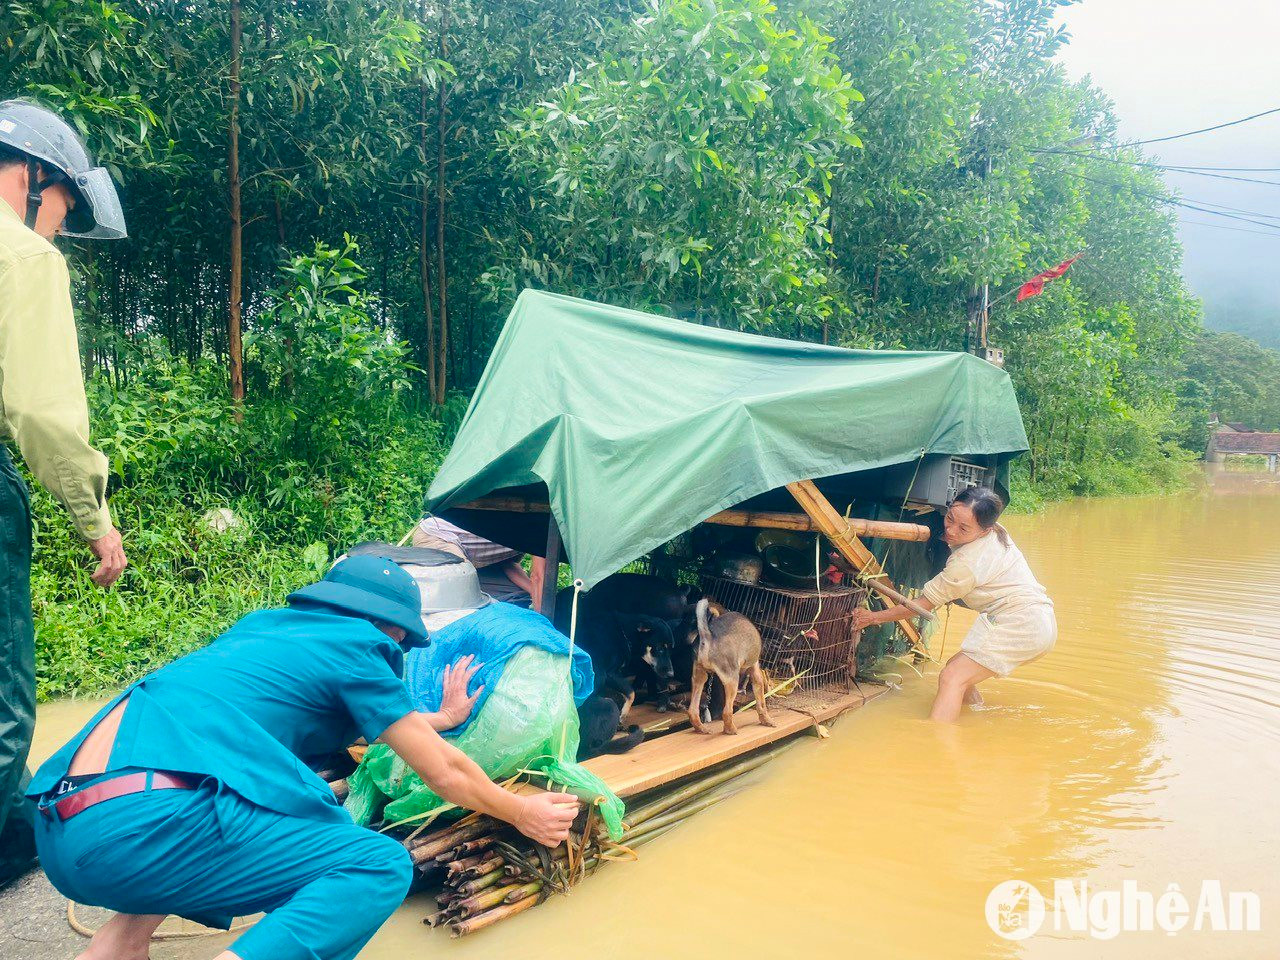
(986, 505)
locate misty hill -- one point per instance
(1245, 313)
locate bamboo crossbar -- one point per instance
(769, 520)
(841, 533)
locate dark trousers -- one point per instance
(17, 670)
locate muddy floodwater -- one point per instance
(1145, 748)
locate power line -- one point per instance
(1089, 154)
(1216, 126)
(1179, 203)
(1181, 166)
(1219, 176)
(1223, 206)
(1162, 198)
(1219, 213)
(1223, 226)
(1163, 167)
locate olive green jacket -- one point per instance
(42, 401)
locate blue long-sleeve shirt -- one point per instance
(277, 692)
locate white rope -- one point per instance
(817, 578)
(573, 631)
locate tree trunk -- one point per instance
(234, 350)
(424, 237)
(442, 278)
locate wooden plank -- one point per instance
(550, 572)
(538, 577)
(838, 531)
(677, 755)
(507, 505)
(648, 718)
(769, 520)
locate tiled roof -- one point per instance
(1247, 442)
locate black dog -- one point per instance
(598, 720)
(653, 655)
(630, 625)
(654, 618)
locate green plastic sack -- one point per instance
(521, 726)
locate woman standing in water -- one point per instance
(988, 574)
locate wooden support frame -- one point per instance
(545, 572)
(819, 516)
(768, 520)
(840, 532)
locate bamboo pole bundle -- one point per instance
(485, 880)
(486, 899)
(484, 864)
(432, 845)
(524, 890)
(508, 874)
(471, 925)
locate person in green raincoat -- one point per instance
(49, 185)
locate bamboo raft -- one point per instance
(482, 871)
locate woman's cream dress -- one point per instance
(1015, 622)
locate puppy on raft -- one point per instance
(728, 646)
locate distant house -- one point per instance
(1235, 439)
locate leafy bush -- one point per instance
(315, 463)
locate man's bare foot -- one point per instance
(973, 697)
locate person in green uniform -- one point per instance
(48, 186)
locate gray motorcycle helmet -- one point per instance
(42, 135)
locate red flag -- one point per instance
(1035, 286)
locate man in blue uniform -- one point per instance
(193, 793)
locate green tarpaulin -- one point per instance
(642, 426)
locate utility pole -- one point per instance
(978, 307)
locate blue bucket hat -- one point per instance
(371, 587)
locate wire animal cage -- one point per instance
(810, 643)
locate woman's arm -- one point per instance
(869, 618)
(515, 573)
(544, 817)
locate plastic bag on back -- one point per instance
(528, 722)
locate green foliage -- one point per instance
(850, 171)
(85, 59)
(321, 359)
(331, 452)
(691, 167)
(1230, 377)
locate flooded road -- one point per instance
(1146, 748)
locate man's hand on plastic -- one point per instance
(109, 549)
(547, 817)
(455, 704)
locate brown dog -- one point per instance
(728, 646)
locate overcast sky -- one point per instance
(1177, 65)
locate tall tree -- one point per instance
(235, 354)
(442, 272)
